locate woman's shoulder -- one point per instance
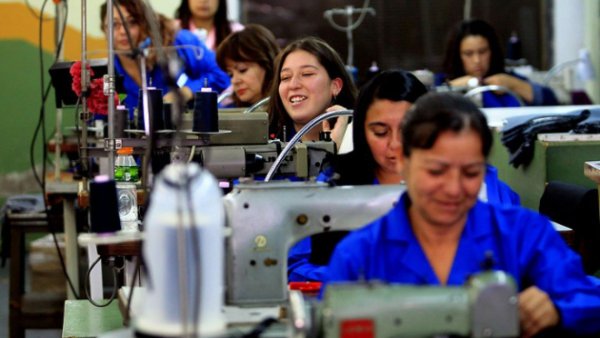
(183, 34)
(508, 218)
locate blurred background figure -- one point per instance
(474, 57)
(132, 31)
(310, 79)
(207, 19)
(248, 57)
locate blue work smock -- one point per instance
(301, 269)
(198, 63)
(523, 243)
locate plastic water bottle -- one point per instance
(126, 169)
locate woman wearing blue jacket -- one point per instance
(439, 233)
(198, 63)
(474, 57)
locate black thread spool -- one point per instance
(121, 121)
(104, 210)
(155, 109)
(206, 113)
(168, 116)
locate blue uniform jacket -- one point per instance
(301, 269)
(197, 64)
(542, 96)
(523, 244)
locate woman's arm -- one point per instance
(199, 64)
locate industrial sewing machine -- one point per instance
(267, 219)
(485, 307)
(258, 224)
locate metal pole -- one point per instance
(58, 136)
(349, 37)
(111, 90)
(84, 88)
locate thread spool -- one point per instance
(206, 113)
(104, 212)
(155, 109)
(121, 121)
(168, 116)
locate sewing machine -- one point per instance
(265, 220)
(259, 223)
(485, 307)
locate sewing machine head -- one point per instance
(485, 307)
(265, 220)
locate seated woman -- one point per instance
(207, 19)
(439, 233)
(474, 57)
(310, 79)
(132, 30)
(248, 57)
(375, 159)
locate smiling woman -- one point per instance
(310, 77)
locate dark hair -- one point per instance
(221, 22)
(394, 85)
(453, 65)
(435, 113)
(135, 8)
(329, 59)
(254, 43)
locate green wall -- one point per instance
(20, 102)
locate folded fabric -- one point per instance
(519, 135)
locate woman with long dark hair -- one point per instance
(131, 30)
(208, 19)
(474, 57)
(310, 79)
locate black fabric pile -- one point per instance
(520, 133)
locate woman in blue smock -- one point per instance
(474, 57)
(439, 233)
(375, 159)
(198, 64)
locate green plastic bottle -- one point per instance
(126, 169)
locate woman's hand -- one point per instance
(338, 131)
(536, 311)
(466, 81)
(185, 92)
(520, 87)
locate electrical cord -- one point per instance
(35, 15)
(87, 282)
(45, 91)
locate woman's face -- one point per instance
(443, 182)
(203, 9)
(475, 54)
(247, 80)
(305, 87)
(121, 42)
(383, 125)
